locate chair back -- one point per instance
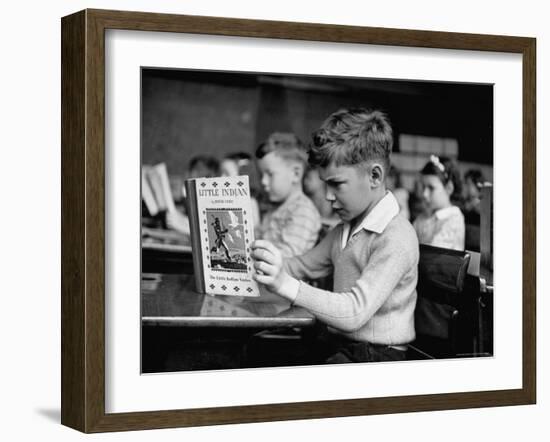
(441, 276)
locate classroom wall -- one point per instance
(189, 113)
(183, 119)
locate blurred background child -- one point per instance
(417, 204)
(234, 163)
(393, 183)
(201, 166)
(473, 181)
(443, 223)
(240, 163)
(294, 223)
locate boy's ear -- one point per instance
(377, 174)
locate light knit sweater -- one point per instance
(375, 276)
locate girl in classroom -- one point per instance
(443, 223)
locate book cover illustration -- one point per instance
(222, 231)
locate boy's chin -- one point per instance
(344, 216)
(275, 199)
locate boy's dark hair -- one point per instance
(247, 167)
(208, 165)
(238, 156)
(352, 137)
(286, 145)
(447, 171)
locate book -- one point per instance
(162, 174)
(147, 193)
(222, 231)
(155, 182)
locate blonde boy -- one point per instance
(293, 226)
(373, 254)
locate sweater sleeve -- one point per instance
(316, 263)
(389, 262)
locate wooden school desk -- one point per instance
(186, 330)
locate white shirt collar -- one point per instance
(446, 212)
(377, 219)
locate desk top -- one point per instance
(170, 300)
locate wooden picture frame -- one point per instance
(83, 220)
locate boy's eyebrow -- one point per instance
(333, 178)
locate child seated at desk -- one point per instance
(200, 166)
(240, 163)
(294, 225)
(473, 182)
(443, 224)
(373, 254)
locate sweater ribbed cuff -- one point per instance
(290, 289)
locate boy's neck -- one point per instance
(293, 193)
(296, 190)
(376, 199)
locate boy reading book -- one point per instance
(373, 254)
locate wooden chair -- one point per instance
(443, 315)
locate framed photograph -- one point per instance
(175, 130)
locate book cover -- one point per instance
(222, 231)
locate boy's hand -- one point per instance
(268, 262)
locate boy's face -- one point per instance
(349, 189)
(201, 171)
(279, 177)
(229, 168)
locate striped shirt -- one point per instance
(293, 227)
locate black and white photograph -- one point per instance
(370, 225)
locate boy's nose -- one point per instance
(263, 181)
(329, 195)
